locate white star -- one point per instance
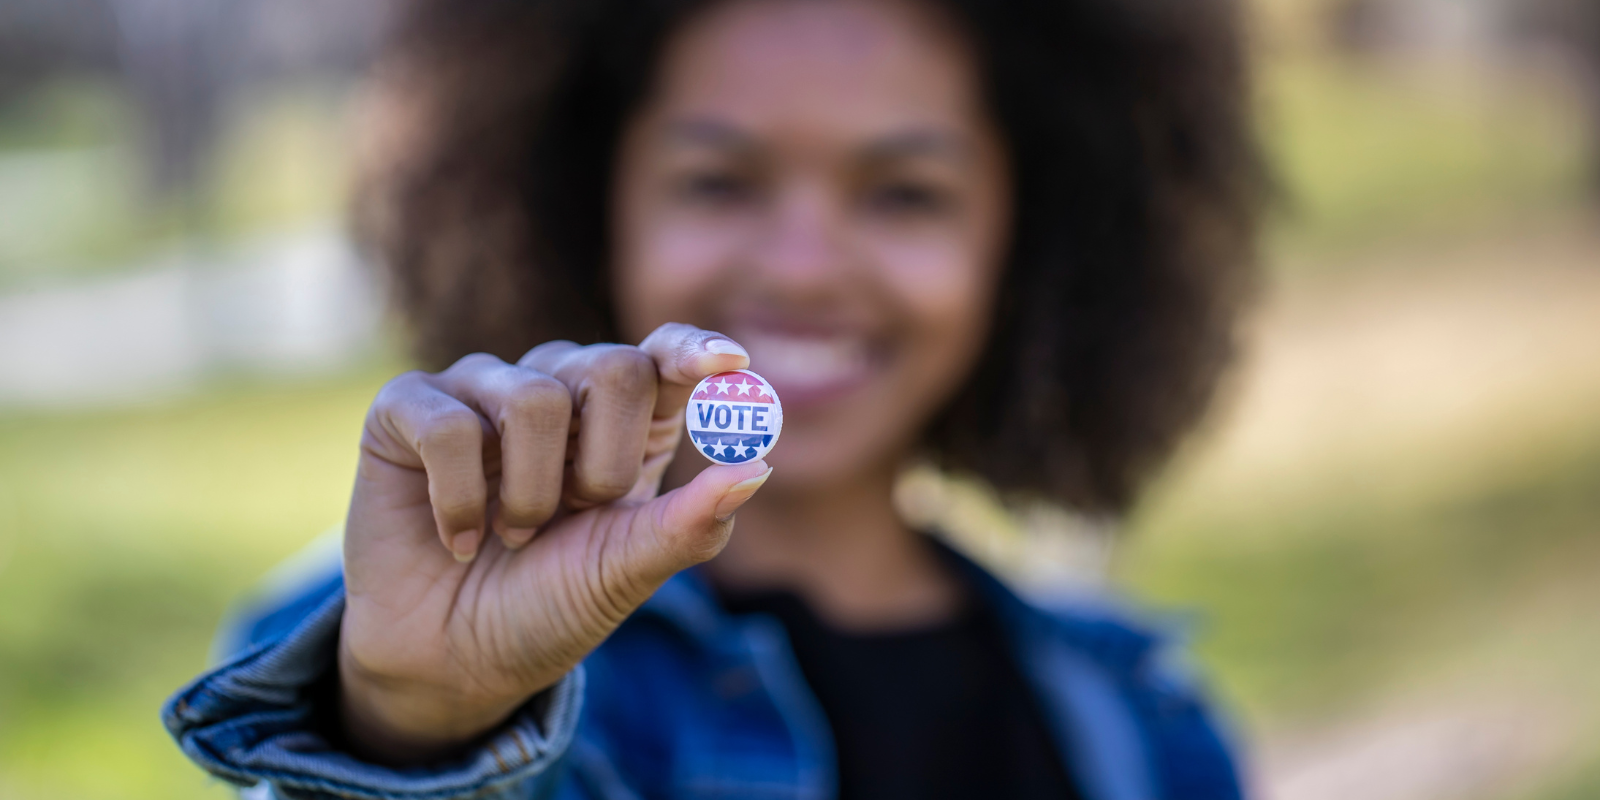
(722, 386)
(744, 388)
(749, 451)
(721, 448)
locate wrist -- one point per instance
(394, 721)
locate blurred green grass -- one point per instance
(1340, 597)
(1369, 154)
(126, 534)
(1347, 605)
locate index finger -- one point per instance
(684, 355)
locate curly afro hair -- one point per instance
(1138, 187)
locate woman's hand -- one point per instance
(448, 629)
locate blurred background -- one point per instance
(1386, 544)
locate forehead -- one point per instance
(852, 67)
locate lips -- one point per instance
(808, 369)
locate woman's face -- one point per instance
(819, 180)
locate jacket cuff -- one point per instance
(253, 720)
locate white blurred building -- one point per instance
(295, 305)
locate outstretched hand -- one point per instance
(505, 520)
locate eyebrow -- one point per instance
(709, 133)
(919, 142)
(904, 144)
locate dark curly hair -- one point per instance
(1137, 192)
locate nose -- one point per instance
(802, 249)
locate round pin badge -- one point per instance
(734, 417)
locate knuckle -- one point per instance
(604, 487)
(546, 351)
(450, 428)
(625, 368)
(540, 396)
(398, 391)
(670, 331)
(527, 512)
(475, 361)
(463, 507)
(603, 480)
(460, 500)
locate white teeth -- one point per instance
(805, 361)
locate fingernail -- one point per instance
(516, 538)
(464, 546)
(738, 494)
(725, 347)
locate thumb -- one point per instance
(690, 524)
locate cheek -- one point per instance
(666, 269)
(945, 287)
(934, 292)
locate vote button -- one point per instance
(734, 417)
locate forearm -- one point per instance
(249, 721)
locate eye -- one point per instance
(716, 188)
(908, 198)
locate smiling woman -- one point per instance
(1116, 132)
(1013, 235)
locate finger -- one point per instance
(690, 524)
(683, 355)
(548, 357)
(531, 413)
(613, 394)
(445, 438)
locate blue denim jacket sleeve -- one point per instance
(251, 720)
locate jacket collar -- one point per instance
(1078, 665)
(687, 603)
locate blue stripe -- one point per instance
(708, 443)
(739, 439)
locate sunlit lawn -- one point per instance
(1370, 155)
(1345, 597)
(122, 538)
(1337, 609)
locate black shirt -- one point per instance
(936, 712)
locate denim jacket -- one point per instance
(687, 701)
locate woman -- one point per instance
(1011, 237)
